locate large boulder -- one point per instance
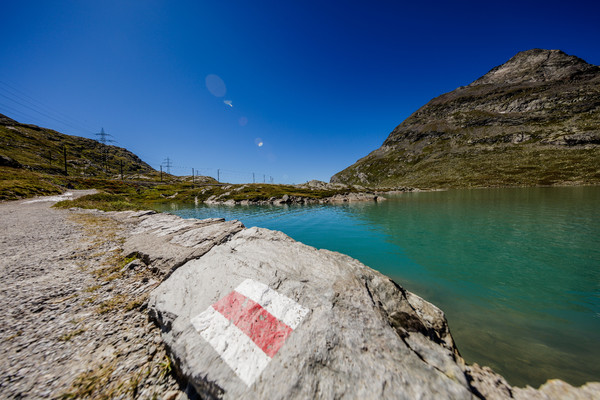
(6, 161)
(335, 327)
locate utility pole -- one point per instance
(65, 157)
(264, 178)
(218, 175)
(161, 172)
(121, 170)
(253, 181)
(192, 178)
(271, 180)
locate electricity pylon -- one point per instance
(104, 139)
(168, 165)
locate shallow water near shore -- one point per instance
(517, 271)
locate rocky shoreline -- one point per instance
(351, 194)
(131, 304)
(286, 199)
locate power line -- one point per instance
(15, 111)
(220, 174)
(40, 112)
(22, 96)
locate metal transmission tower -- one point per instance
(168, 165)
(104, 139)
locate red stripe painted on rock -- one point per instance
(262, 327)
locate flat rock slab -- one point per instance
(166, 241)
(264, 316)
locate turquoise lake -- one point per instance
(517, 271)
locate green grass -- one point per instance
(68, 336)
(258, 192)
(101, 201)
(42, 150)
(125, 198)
(111, 304)
(19, 183)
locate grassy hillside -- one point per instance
(42, 150)
(32, 164)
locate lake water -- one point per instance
(517, 271)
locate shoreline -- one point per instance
(286, 199)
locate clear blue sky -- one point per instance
(319, 84)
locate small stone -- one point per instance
(171, 395)
(135, 264)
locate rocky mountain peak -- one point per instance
(520, 124)
(538, 65)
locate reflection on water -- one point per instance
(517, 271)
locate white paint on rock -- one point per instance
(242, 355)
(280, 306)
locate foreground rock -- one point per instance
(349, 331)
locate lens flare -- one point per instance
(228, 102)
(259, 142)
(215, 85)
(243, 121)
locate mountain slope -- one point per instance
(41, 150)
(534, 120)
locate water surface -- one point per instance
(517, 271)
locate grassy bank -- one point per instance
(150, 197)
(19, 183)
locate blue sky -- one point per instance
(320, 84)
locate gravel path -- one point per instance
(73, 319)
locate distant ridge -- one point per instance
(534, 120)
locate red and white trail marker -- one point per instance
(248, 327)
